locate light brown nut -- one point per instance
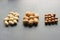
(36, 20)
(25, 17)
(31, 17)
(32, 14)
(31, 22)
(25, 21)
(36, 16)
(28, 13)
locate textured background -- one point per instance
(19, 32)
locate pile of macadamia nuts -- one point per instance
(50, 19)
(11, 19)
(30, 18)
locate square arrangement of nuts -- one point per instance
(11, 19)
(50, 19)
(30, 19)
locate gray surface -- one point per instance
(19, 32)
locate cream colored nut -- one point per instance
(14, 13)
(25, 17)
(30, 21)
(31, 17)
(11, 19)
(11, 12)
(28, 13)
(36, 16)
(11, 22)
(6, 22)
(6, 19)
(15, 21)
(17, 15)
(35, 20)
(10, 16)
(16, 18)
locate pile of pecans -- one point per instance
(50, 19)
(30, 18)
(11, 19)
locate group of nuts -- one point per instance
(30, 18)
(50, 19)
(11, 19)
